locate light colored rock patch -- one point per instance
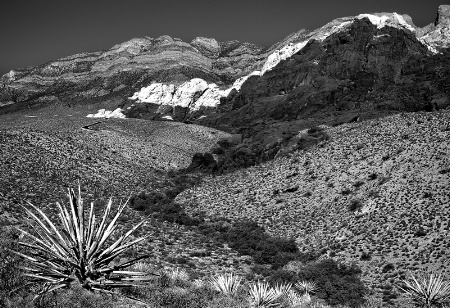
(103, 113)
(384, 20)
(185, 95)
(157, 93)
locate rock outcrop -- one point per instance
(353, 68)
(370, 64)
(127, 67)
(294, 43)
(438, 34)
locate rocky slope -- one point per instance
(44, 152)
(375, 193)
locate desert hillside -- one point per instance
(45, 152)
(377, 192)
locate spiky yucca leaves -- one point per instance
(427, 291)
(77, 249)
(282, 289)
(227, 284)
(306, 287)
(263, 296)
(178, 275)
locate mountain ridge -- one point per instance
(141, 61)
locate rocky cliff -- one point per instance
(375, 57)
(125, 68)
(349, 70)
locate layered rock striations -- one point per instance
(125, 68)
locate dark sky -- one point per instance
(37, 31)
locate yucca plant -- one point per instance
(78, 249)
(306, 287)
(282, 289)
(428, 291)
(178, 275)
(263, 296)
(227, 284)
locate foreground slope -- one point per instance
(376, 193)
(42, 153)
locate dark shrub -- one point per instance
(355, 205)
(388, 267)
(248, 238)
(10, 276)
(143, 202)
(338, 283)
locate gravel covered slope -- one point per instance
(44, 152)
(377, 192)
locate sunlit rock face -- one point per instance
(103, 113)
(438, 34)
(129, 66)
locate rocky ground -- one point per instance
(376, 193)
(44, 152)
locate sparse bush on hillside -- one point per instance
(355, 205)
(11, 279)
(248, 238)
(336, 283)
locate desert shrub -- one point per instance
(176, 297)
(14, 289)
(355, 205)
(388, 267)
(358, 184)
(146, 202)
(337, 283)
(346, 192)
(173, 212)
(248, 238)
(77, 297)
(9, 273)
(372, 176)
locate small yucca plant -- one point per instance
(306, 287)
(282, 289)
(178, 275)
(263, 296)
(427, 291)
(76, 250)
(227, 284)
